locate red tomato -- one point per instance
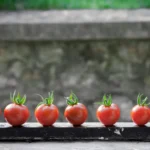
(149, 113)
(108, 113)
(76, 113)
(16, 113)
(140, 114)
(46, 113)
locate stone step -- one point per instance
(69, 25)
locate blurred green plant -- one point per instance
(73, 4)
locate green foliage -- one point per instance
(72, 4)
(17, 99)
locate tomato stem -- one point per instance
(48, 100)
(72, 99)
(17, 99)
(142, 102)
(106, 101)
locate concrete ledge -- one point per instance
(75, 25)
(65, 131)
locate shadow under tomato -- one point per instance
(76, 126)
(19, 126)
(140, 126)
(48, 126)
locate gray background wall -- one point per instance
(89, 68)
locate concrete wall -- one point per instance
(91, 64)
(89, 68)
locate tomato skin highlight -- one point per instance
(76, 114)
(140, 115)
(15, 114)
(108, 115)
(46, 115)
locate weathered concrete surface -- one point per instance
(75, 25)
(75, 16)
(76, 146)
(90, 69)
(38, 54)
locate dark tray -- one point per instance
(121, 131)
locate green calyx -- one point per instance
(48, 100)
(72, 99)
(142, 102)
(107, 101)
(17, 99)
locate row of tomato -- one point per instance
(46, 113)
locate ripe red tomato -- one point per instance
(16, 113)
(46, 113)
(76, 113)
(140, 113)
(108, 113)
(149, 113)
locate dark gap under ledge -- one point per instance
(121, 131)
